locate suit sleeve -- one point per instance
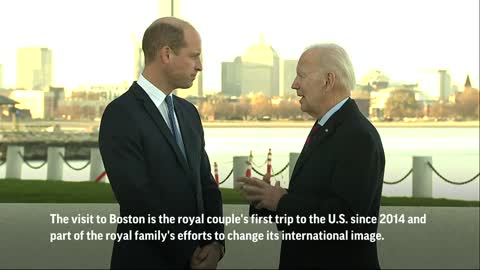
(122, 153)
(354, 184)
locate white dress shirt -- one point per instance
(158, 98)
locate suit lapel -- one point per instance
(160, 123)
(348, 109)
(322, 135)
(186, 131)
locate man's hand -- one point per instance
(260, 193)
(206, 257)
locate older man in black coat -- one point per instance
(339, 173)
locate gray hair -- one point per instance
(334, 58)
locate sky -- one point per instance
(92, 40)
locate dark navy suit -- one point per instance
(150, 177)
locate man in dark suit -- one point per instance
(152, 144)
(338, 173)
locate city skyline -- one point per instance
(403, 39)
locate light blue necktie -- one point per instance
(173, 125)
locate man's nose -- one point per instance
(199, 66)
(294, 85)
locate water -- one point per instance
(455, 154)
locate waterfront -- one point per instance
(455, 153)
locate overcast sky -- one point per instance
(92, 40)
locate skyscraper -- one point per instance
(232, 77)
(34, 68)
(445, 84)
(436, 84)
(289, 72)
(261, 70)
(257, 71)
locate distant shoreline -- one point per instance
(302, 124)
(88, 126)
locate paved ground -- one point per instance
(449, 240)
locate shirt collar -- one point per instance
(333, 110)
(155, 94)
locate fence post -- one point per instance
(421, 177)
(14, 162)
(55, 163)
(239, 168)
(293, 157)
(96, 163)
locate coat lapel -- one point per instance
(160, 123)
(326, 131)
(323, 133)
(187, 133)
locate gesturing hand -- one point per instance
(260, 193)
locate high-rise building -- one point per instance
(289, 72)
(261, 70)
(257, 71)
(34, 68)
(232, 77)
(445, 84)
(436, 84)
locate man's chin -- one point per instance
(303, 108)
(185, 86)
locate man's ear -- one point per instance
(165, 54)
(330, 81)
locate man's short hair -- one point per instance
(160, 34)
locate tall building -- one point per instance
(1, 76)
(261, 70)
(289, 72)
(34, 68)
(232, 77)
(437, 84)
(257, 71)
(445, 84)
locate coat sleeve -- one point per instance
(122, 153)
